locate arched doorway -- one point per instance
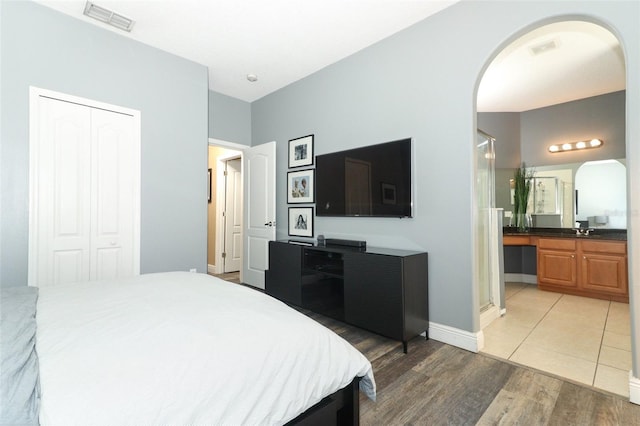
(531, 78)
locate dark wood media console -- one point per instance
(377, 289)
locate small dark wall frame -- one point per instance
(209, 185)
(301, 186)
(301, 221)
(301, 152)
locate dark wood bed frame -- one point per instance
(341, 408)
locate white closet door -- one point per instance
(112, 197)
(62, 195)
(84, 193)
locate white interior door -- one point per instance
(84, 191)
(259, 166)
(233, 216)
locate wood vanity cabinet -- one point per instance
(603, 267)
(592, 268)
(557, 264)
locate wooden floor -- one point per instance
(233, 277)
(438, 384)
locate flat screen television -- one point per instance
(373, 180)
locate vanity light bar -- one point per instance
(573, 146)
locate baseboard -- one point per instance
(472, 342)
(521, 278)
(211, 269)
(634, 389)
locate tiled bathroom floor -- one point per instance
(582, 339)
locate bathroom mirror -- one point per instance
(601, 194)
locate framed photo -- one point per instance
(301, 221)
(300, 186)
(301, 152)
(388, 193)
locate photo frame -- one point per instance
(209, 185)
(300, 186)
(301, 152)
(388, 193)
(301, 221)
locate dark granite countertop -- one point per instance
(595, 234)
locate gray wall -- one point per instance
(47, 49)
(526, 136)
(422, 83)
(229, 119)
(601, 117)
(505, 128)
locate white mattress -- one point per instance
(183, 349)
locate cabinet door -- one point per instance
(557, 267)
(373, 293)
(604, 273)
(282, 280)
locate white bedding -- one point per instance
(183, 349)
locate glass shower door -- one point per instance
(487, 219)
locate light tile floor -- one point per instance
(582, 339)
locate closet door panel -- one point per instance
(63, 194)
(113, 195)
(69, 266)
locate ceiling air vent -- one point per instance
(105, 15)
(543, 47)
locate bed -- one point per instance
(182, 348)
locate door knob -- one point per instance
(270, 224)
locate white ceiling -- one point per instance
(587, 60)
(282, 41)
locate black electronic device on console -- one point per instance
(348, 243)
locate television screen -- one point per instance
(373, 180)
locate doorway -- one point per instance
(232, 215)
(225, 210)
(258, 183)
(588, 338)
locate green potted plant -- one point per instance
(522, 186)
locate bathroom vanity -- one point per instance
(591, 266)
